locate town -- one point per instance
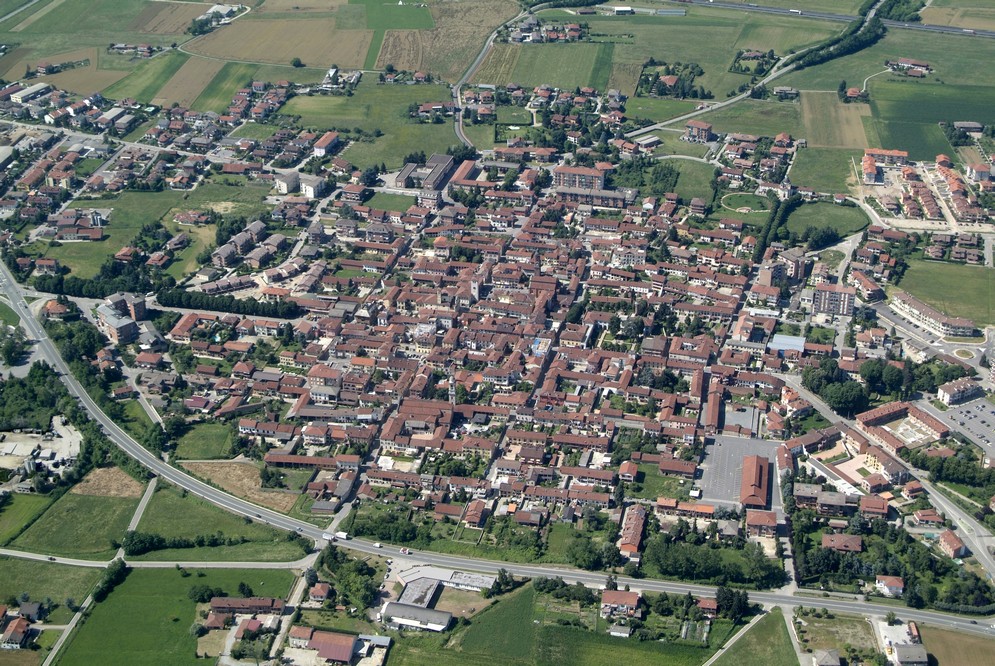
(619, 384)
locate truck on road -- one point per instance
(342, 535)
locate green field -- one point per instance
(393, 202)
(516, 632)
(652, 484)
(219, 92)
(143, 83)
(694, 180)
(952, 648)
(147, 618)
(671, 144)
(767, 643)
(42, 580)
(18, 511)
(746, 200)
(845, 219)
(824, 169)
(956, 289)
(559, 65)
(258, 131)
(172, 513)
(766, 118)
(8, 316)
(204, 441)
(657, 108)
(101, 16)
(131, 210)
(386, 16)
(80, 526)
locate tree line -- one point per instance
(195, 300)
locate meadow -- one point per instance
(217, 95)
(144, 83)
(561, 65)
(829, 123)
(173, 513)
(19, 510)
(949, 648)
(763, 117)
(827, 170)
(694, 180)
(657, 108)
(956, 289)
(766, 643)
(79, 526)
(8, 316)
(397, 202)
(203, 441)
(188, 82)
(147, 618)
(41, 580)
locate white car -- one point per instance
(327, 537)
(378, 545)
(405, 551)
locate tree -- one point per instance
(891, 618)
(296, 62)
(244, 589)
(611, 582)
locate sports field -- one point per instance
(147, 618)
(844, 219)
(956, 289)
(828, 170)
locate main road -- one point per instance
(241, 507)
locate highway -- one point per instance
(241, 507)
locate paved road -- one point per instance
(244, 508)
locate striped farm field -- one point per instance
(218, 94)
(188, 82)
(143, 83)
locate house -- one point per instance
(761, 523)
(333, 647)
(891, 586)
(15, 636)
(319, 592)
(826, 658)
(951, 544)
(843, 543)
(628, 471)
(619, 603)
(910, 655)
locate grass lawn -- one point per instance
(47, 580)
(143, 83)
(827, 170)
(951, 648)
(147, 618)
(695, 179)
(657, 109)
(846, 220)
(653, 484)
(481, 136)
(768, 643)
(826, 634)
(79, 526)
(393, 202)
(564, 66)
(514, 115)
(8, 316)
(172, 513)
(813, 420)
(337, 621)
(766, 118)
(259, 131)
(138, 419)
(956, 289)
(204, 441)
(390, 149)
(18, 511)
(671, 144)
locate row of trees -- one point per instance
(194, 300)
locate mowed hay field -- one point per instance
(167, 18)
(314, 41)
(973, 18)
(108, 482)
(829, 123)
(952, 648)
(447, 49)
(143, 83)
(561, 65)
(188, 82)
(218, 94)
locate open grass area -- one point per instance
(657, 108)
(481, 136)
(767, 643)
(173, 513)
(131, 210)
(80, 526)
(385, 16)
(651, 484)
(147, 618)
(8, 316)
(671, 144)
(41, 580)
(517, 629)
(253, 130)
(204, 441)
(144, 83)
(828, 170)
(136, 420)
(845, 220)
(19, 510)
(952, 648)
(695, 179)
(956, 289)
(394, 202)
(766, 118)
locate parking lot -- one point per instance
(975, 420)
(722, 469)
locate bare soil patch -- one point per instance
(242, 479)
(188, 82)
(108, 482)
